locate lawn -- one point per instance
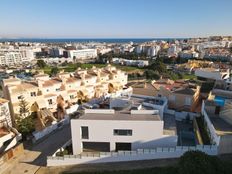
(72, 67)
(189, 76)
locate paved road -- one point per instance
(35, 156)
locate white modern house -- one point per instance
(128, 124)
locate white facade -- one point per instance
(5, 116)
(11, 58)
(83, 54)
(139, 49)
(152, 51)
(145, 133)
(188, 54)
(137, 127)
(139, 63)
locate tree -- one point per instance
(41, 63)
(54, 71)
(25, 125)
(23, 110)
(24, 121)
(158, 66)
(150, 74)
(193, 162)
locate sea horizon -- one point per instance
(86, 40)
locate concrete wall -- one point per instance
(214, 137)
(145, 134)
(225, 144)
(140, 154)
(40, 134)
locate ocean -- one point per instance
(74, 40)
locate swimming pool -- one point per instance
(219, 100)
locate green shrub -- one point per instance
(196, 162)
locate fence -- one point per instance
(140, 154)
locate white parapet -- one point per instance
(99, 111)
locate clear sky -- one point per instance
(114, 18)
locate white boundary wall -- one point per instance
(211, 129)
(72, 109)
(140, 154)
(40, 134)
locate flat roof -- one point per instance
(169, 125)
(220, 125)
(124, 116)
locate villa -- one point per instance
(124, 124)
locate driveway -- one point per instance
(35, 156)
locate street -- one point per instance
(35, 156)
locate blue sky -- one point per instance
(114, 18)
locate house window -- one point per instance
(123, 132)
(33, 94)
(19, 97)
(84, 132)
(71, 96)
(50, 101)
(47, 90)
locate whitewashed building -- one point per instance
(128, 124)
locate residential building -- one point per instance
(212, 73)
(65, 89)
(180, 94)
(9, 136)
(127, 124)
(127, 62)
(11, 58)
(188, 54)
(83, 54)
